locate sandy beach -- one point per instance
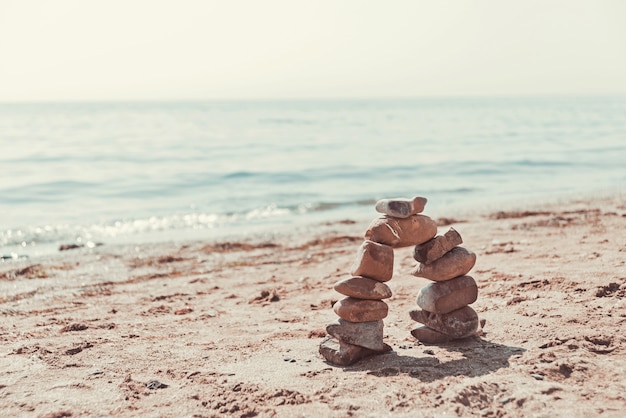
(233, 328)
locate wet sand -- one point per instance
(233, 328)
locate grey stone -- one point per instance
(397, 232)
(456, 324)
(360, 310)
(401, 207)
(343, 354)
(373, 260)
(457, 262)
(363, 288)
(428, 336)
(437, 247)
(448, 296)
(363, 334)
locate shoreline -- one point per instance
(232, 327)
(312, 223)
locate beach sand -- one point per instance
(233, 329)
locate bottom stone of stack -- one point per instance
(340, 353)
(427, 335)
(364, 334)
(460, 323)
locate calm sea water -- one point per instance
(111, 172)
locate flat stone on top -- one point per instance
(363, 288)
(401, 207)
(373, 260)
(360, 310)
(448, 296)
(344, 354)
(437, 247)
(363, 334)
(457, 262)
(456, 324)
(397, 232)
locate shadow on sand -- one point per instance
(480, 357)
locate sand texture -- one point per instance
(233, 329)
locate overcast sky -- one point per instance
(263, 49)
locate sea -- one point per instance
(137, 172)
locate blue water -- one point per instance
(106, 172)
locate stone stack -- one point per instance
(358, 333)
(444, 312)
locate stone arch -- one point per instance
(445, 313)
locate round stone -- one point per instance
(363, 288)
(360, 310)
(457, 262)
(448, 296)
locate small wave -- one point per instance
(327, 206)
(318, 207)
(269, 177)
(426, 192)
(239, 175)
(33, 235)
(266, 212)
(45, 192)
(543, 163)
(453, 191)
(287, 121)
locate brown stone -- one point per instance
(401, 207)
(437, 247)
(456, 324)
(344, 354)
(396, 232)
(448, 296)
(429, 336)
(363, 288)
(360, 310)
(363, 334)
(457, 262)
(373, 260)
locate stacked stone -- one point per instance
(358, 333)
(444, 312)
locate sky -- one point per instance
(92, 50)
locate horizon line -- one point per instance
(313, 99)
